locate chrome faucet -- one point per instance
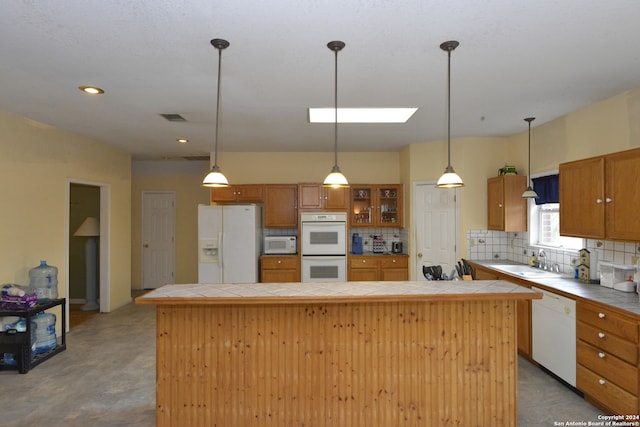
(542, 259)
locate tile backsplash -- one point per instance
(488, 244)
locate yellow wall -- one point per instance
(240, 168)
(184, 178)
(608, 126)
(287, 168)
(37, 163)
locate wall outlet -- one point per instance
(634, 259)
(472, 243)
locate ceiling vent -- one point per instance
(173, 117)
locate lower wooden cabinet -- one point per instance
(523, 308)
(367, 268)
(279, 268)
(607, 357)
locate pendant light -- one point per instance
(449, 179)
(529, 193)
(215, 178)
(336, 179)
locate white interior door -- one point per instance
(436, 232)
(158, 238)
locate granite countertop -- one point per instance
(627, 301)
(336, 292)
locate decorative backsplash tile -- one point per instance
(488, 244)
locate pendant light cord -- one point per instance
(215, 158)
(529, 120)
(449, 109)
(335, 123)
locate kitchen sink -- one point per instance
(526, 271)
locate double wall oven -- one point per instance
(324, 246)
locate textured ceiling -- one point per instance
(516, 59)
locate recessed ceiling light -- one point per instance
(182, 140)
(92, 90)
(361, 115)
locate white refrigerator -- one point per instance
(229, 243)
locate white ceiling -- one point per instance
(516, 58)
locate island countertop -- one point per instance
(337, 292)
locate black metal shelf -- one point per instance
(19, 343)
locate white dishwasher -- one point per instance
(553, 320)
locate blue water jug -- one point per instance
(356, 244)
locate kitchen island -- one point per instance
(337, 354)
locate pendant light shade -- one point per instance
(449, 179)
(529, 193)
(216, 178)
(336, 179)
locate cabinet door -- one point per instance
(336, 198)
(389, 209)
(223, 194)
(362, 204)
(515, 207)
(279, 269)
(523, 310)
(281, 206)
(310, 196)
(495, 204)
(622, 199)
(253, 193)
(394, 268)
(582, 206)
(363, 269)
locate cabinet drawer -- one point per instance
(607, 321)
(394, 262)
(608, 366)
(278, 262)
(609, 394)
(363, 262)
(625, 350)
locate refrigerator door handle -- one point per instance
(221, 253)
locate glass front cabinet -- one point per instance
(376, 205)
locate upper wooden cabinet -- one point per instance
(246, 193)
(281, 205)
(376, 205)
(599, 197)
(506, 209)
(317, 196)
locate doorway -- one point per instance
(158, 238)
(86, 199)
(436, 218)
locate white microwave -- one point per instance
(280, 245)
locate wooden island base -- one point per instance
(379, 362)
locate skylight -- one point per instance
(361, 115)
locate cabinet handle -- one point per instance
(600, 335)
(279, 261)
(364, 261)
(499, 205)
(598, 201)
(608, 200)
(601, 381)
(601, 315)
(601, 355)
(394, 261)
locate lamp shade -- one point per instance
(90, 227)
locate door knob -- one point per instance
(419, 254)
